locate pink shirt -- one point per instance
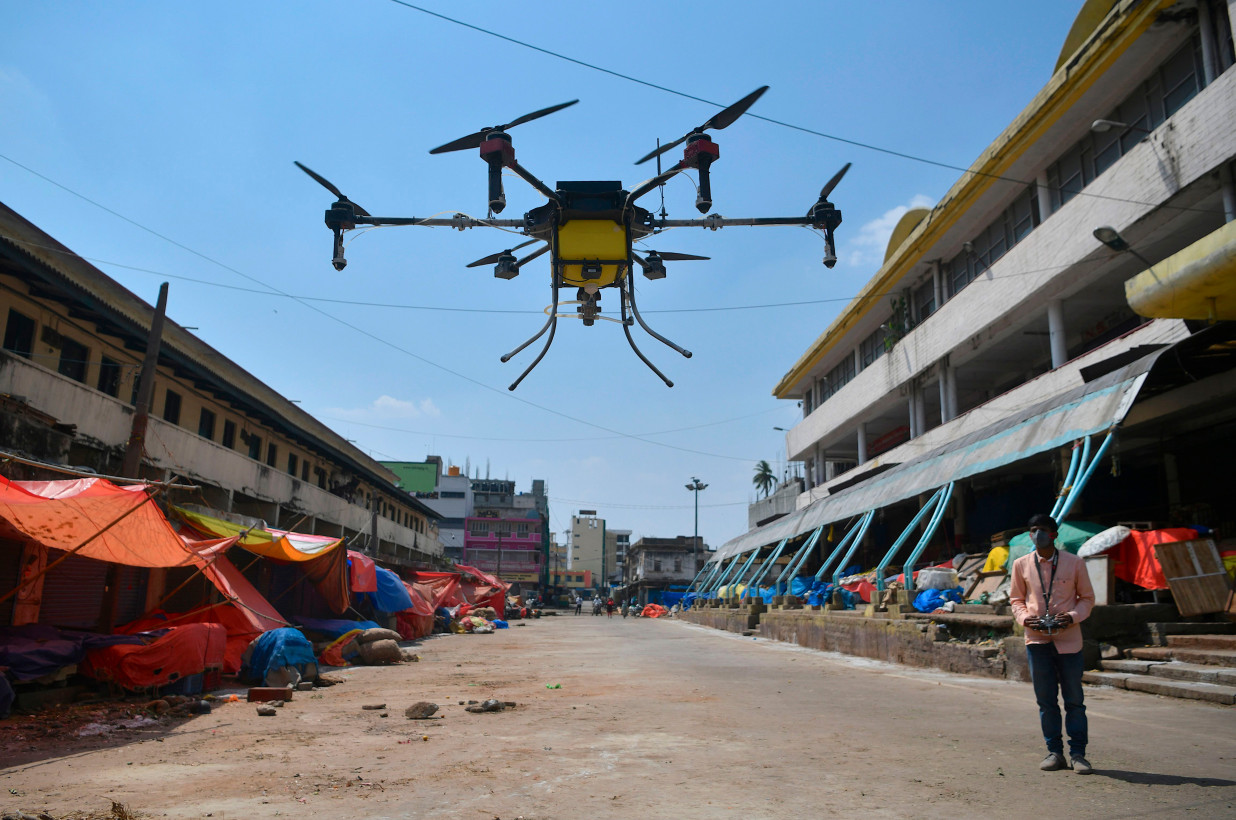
(1071, 593)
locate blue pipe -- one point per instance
(1085, 477)
(727, 578)
(796, 564)
(714, 583)
(928, 534)
(766, 566)
(905, 536)
(1068, 479)
(858, 540)
(855, 533)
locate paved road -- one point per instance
(655, 718)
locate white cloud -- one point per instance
(389, 407)
(869, 244)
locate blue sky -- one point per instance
(184, 118)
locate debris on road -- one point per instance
(421, 710)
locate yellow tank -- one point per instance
(600, 244)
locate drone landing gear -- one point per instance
(551, 325)
(628, 298)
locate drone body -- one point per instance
(589, 228)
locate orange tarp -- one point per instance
(1133, 559)
(63, 514)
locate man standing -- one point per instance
(1051, 595)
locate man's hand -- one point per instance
(1064, 619)
(1032, 622)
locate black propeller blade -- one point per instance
(326, 183)
(672, 256)
(475, 140)
(721, 119)
(832, 183)
(494, 257)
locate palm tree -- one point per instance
(764, 479)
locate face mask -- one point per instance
(1042, 538)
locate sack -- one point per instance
(936, 578)
(379, 652)
(379, 634)
(1104, 541)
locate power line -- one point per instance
(803, 129)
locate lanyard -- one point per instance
(1050, 585)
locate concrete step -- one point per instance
(1188, 690)
(1130, 667)
(981, 609)
(1194, 671)
(1211, 657)
(1211, 641)
(1002, 622)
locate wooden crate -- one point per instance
(1195, 575)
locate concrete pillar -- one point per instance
(1229, 192)
(953, 409)
(858, 362)
(1210, 48)
(1043, 194)
(937, 284)
(830, 470)
(946, 411)
(1231, 15)
(1055, 329)
(862, 443)
(920, 409)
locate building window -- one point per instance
(924, 301)
(171, 407)
(293, 463)
(871, 348)
(272, 454)
(1169, 87)
(656, 565)
(320, 474)
(19, 334)
(255, 445)
(229, 434)
(450, 494)
(304, 470)
(206, 425)
(836, 379)
(73, 359)
(478, 527)
(109, 377)
(521, 530)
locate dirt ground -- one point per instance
(652, 717)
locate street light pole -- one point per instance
(695, 486)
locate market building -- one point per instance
(73, 346)
(657, 566)
(1053, 335)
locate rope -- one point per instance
(115, 479)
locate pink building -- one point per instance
(507, 547)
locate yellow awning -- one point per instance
(270, 543)
(1198, 282)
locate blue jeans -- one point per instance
(1052, 673)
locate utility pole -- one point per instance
(696, 486)
(131, 467)
(145, 391)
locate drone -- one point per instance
(589, 228)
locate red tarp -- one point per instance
(185, 650)
(445, 586)
(416, 622)
(245, 613)
(1133, 559)
(364, 572)
(63, 514)
(484, 589)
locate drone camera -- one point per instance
(654, 268)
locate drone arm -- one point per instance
(531, 256)
(715, 222)
(458, 221)
(647, 185)
(527, 177)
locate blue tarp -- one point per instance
(34, 650)
(276, 649)
(929, 600)
(392, 595)
(668, 599)
(332, 627)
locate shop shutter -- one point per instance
(10, 562)
(131, 600)
(73, 592)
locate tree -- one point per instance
(764, 479)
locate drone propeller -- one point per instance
(671, 256)
(494, 257)
(832, 183)
(328, 185)
(721, 119)
(475, 140)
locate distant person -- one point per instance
(1051, 595)
(579, 604)
(609, 607)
